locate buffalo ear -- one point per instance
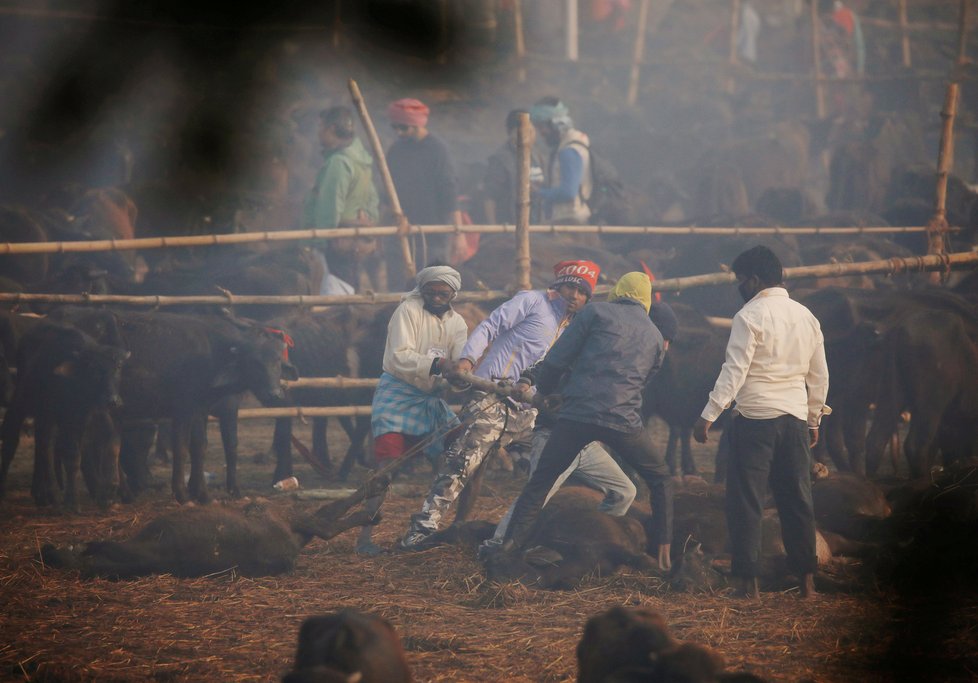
(66, 369)
(289, 372)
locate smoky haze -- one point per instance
(219, 100)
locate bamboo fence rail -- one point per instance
(387, 231)
(912, 264)
(332, 383)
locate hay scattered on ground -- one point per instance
(456, 626)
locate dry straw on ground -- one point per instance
(455, 625)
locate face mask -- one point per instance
(746, 289)
(437, 309)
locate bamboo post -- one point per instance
(524, 143)
(274, 236)
(571, 28)
(519, 40)
(963, 33)
(639, 51)
(904, 35)
(817, 61)
(732, 58)
(402, 223)
(945, 160)
(337, 23)
(911, 264)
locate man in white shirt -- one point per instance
(775, 370)
(425, 337)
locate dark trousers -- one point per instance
(566, 441)
(775, 452)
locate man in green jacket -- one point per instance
(344, 196)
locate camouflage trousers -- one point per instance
(496, 421)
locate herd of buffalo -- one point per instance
(102, 385)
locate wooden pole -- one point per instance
(337, 23)
(904, 35)
(524, 143)
(963, 33)
(639, 51)
(87, 246)
(945, 161)
(571, 28)
(519, 40)
(817, 60)
(732, 57)
(402, 223)
(912, 264)
(332, 383)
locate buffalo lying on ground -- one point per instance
(199, 541)
(573, 539)
(348, 646)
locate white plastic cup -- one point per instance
(289, 484)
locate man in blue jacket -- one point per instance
(520, 333)
(609, 352)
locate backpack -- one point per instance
(608, 201)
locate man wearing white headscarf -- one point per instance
(425, 337)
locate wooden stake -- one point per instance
(524, 143)
(911, 264)
(817, 60)
(945, 161)
(519, 40)
(732, 58)
(963, 33)
(571, 29)
(904, 36)
(337, 23)
(402, 223)
(639, 52)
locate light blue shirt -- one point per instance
(521, 332)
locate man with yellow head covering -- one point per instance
(608, 354)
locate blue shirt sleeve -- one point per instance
(571, 176)
(505, 317)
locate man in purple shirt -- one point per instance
(520, 332)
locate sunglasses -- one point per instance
(400, 127)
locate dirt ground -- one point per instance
(455, 625)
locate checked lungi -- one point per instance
(402, 408)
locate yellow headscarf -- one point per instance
(635, 286)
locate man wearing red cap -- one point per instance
(422, 172)
(520, 333)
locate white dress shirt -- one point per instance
(775, 362)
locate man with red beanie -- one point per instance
(520, 333)
(422, 172)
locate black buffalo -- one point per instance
(64, 376)
(183, 367)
